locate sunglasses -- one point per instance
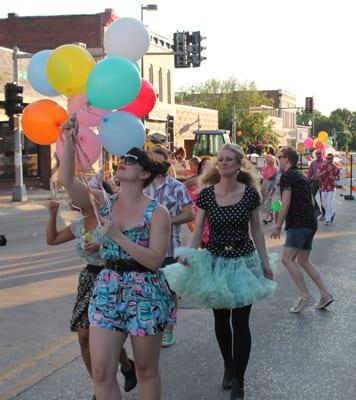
(129, 159)
(329, 158)
(318, 154)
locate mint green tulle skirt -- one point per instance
(220, 282)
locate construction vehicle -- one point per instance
(207, 143)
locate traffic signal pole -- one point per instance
(19, 189)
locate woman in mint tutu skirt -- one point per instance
(229, 275)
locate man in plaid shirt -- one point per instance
(173, 195)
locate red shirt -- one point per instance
(330, 173)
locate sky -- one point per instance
(306, 47)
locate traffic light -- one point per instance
(170, 126)
(13, 100)
(196, 48)
(180, 48)
(309, 105)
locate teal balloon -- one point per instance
(113, 83)
(120, 131)
(36, 73)
(276, 206)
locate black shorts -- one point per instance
(300, 238)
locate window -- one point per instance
(151, 76)
(169, 88)
(160, 85)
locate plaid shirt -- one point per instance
(173, 195)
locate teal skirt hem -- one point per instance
(219, 282)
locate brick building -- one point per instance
(32, 34)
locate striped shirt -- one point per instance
(173, 195)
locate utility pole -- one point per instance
(19, 189)
(234, 122)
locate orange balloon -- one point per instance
(42, 120)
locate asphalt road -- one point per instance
(296, 357)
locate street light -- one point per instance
(147, 7)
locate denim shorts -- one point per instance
(300, 238)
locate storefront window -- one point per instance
(30, 151)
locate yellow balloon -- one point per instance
(68, 68)
(323, 136)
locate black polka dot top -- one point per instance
(229, 225)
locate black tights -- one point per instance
(235, 343)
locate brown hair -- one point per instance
(291, 155)
(247, 175)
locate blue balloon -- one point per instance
(113, 83)
(120, 131)
(36, 73)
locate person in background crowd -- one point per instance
(173, 195)
(193, 186)
(301, 226)
(204, 164)
(269, 174)
(315, 179)
(329, 173)
(86, 232)
(193, 166)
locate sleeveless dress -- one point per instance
(136, 303)
(87, 276)
(228, 272)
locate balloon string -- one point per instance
(79, 149)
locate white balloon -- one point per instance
(127, 37)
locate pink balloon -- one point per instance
(90, 146)
(144, 101)
(308, 143)
(86, 115)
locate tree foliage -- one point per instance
(227, 96)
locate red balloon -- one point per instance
(320, 146)
(144, 101)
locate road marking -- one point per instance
(37, 377)
(14, 370)
(38, 291)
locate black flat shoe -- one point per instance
(130, 377)
(227, 379)
(237, 390)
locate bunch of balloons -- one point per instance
(322, 142)
(109, 94)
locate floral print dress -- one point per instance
(135, 303)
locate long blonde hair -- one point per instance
(247, 174)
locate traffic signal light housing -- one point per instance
(180, 48)
(196, 48)
(13, 99)
(309, 105)
(187, 49)
(170, 126)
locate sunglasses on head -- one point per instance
(129, 159)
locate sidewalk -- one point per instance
(33, 196)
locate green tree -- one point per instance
(227, 96)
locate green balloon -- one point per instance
(276, 206)
(329, 142)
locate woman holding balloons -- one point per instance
(131, 296)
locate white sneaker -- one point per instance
(302, 305)
(327, 223)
